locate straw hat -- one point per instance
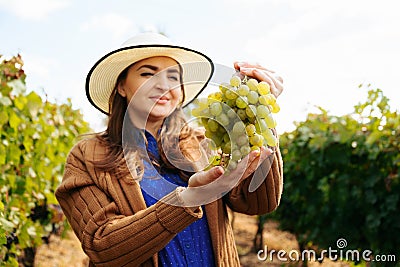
(101, 79)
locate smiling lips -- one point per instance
(160, 99)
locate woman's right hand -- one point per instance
(262, 74)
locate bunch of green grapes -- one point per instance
(238, 119)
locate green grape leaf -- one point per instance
(14, 121)
(3, 239)
(5, 101)
(3, 117)
(7, 225)
(373, 137)
(18, 86)
(2, 154)
(20, 102)
(34, 103)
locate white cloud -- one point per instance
(118, 25)
(33, 9)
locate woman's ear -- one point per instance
(121, 90)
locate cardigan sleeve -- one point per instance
(109, 237)
(267, 196)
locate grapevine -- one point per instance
(35, 138)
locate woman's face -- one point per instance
(152, 88)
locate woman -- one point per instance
(135, 195)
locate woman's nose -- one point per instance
(162, 81)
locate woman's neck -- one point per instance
(153, 127)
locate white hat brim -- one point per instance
(101, 79)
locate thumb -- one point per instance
(205, 177)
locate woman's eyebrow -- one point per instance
(169, 70)
(149, 67)
(155, 68)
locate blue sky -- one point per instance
(322, 49)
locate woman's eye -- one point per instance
(174, 78)
(144, 74)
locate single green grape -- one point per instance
(272, 141)
(231, 113)
(252, 97)
(223, 119)
(270, 121)
(242, 114)
(252, 84)
(196, 112)
(256, 139)
(202, 103)
(242, 140)
(262, 125)
(251, 111)
(208, 132)
(263, 100)
(216, 96)
(262, 111)
(226, 138)
(271, 99)
(221, 130)
(256, 148)
(213, 125)
(232, 165)
(223, 87)
(241, 102)
(275, 107)
(236, 155)
(263, 88)
(231, 102)
(250, 129)
(270, 138)
(205, 112)
(227, 148)
(235, 81)
(243, 90)
(245, 150)
(231, 93)
(215, 108)
(217, 138)
(238, 128)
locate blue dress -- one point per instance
(190, 247)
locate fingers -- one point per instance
(249, 164)
(255, 164)
(205, 177)
(239, 65)
(272, 80)
(262, 74)
(261, 173)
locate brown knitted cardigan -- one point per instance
(109, 215)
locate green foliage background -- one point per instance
(35, 138)
(341, 172)
(342, 179)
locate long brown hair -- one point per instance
(173, 130)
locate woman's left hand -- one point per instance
(207, 186)
(262, 74)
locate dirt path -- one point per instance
(68, 253)
(245, 228)
(61, 252)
